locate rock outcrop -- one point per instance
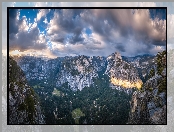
(79, 71)
(123, 75)
(24, 107)
(148, 106)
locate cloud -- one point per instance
(138, 24)
(120, 26)
(42, 13)
(120, 47)
(20, 37)
(65, 23)
(76, 37)
(13, 23)
(130, 32)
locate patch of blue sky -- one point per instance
(29, 13)
(88, 31)
(41, 25)
(158, 13)
(50, 15)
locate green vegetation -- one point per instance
(17, 79)
(97, 104)
(30, 108)
(76, 114)
(152, 73)
(161, 65)
(151, 89)
(162, 85)
(56, 92)
(15, 73)
(161, 62)
(36, 86)
(75, 72)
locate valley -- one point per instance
(90, 90)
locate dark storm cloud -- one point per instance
(98, 22)
(67, 22)
(26, 41)
(129, 27)
(120, 47)
(20, 38)
(58, 39)
(104, 21)
(76, 36)
(139, 25)
(159, 43)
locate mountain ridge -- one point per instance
(24, 107)
(86, 81)
(78, 69)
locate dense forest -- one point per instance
(99, 103)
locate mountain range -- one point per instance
(91, 90)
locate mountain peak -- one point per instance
(116, 56)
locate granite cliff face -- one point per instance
(123, 75)
(79, 71)
(24, 107)
(148, 106)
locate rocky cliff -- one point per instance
(148, 106)
(73, 77)
(123, 75)
(24, 107)
(79, 71)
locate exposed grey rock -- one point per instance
(149, 105)
(78, 71)
(23, 104)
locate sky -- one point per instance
(92, 32)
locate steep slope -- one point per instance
(122, 74)
(80, 71)
(90, 83)
(148, 106)
(143, 63)
(77, 71)
(68, 83)
(24, 107)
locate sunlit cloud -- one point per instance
(89, 32)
